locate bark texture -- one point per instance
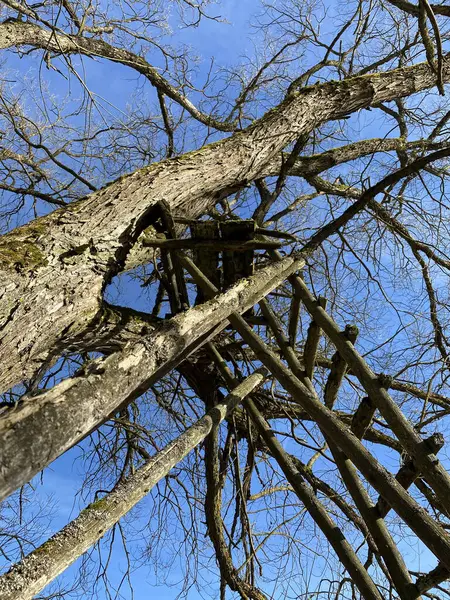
(55, 269)
(41, 428)
(41, 566)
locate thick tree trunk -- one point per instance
(41, 428)
(53, 271)
(39, 568)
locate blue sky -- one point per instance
(226, 44)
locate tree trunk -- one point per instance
(41, 428)
(54, 270)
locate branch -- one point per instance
(41, 428)
(20, 33)
(430, 532)
(367, 198)
(413, 9)
(97, 234)
(40, 567)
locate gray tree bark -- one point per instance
(41, 428)
(54, 270)
(40, 567)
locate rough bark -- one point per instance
(54, 270)
(308, 166)
(40, 567)
(40, 428)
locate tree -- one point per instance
(251, 190)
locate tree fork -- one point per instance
(73, 252)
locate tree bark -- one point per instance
(41, 428)
(54, 270)
(40, 567)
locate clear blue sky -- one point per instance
(226, 44)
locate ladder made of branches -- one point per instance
(223, 255)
